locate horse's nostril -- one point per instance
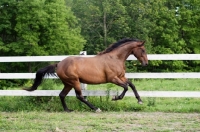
(144, 64)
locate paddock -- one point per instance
(105, 121)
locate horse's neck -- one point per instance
(123, 52)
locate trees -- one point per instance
(46, 27)
(37, 27)
(8, 11)
(102, 22)
(189, 21)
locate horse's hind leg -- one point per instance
(62, 96)
(135, 91)
(82, 99)
(123, 83)
(121, 96)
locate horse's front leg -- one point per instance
(122, 83)
(135, 91)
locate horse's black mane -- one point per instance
(117, 44)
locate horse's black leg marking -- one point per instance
(82, 99)
(135, 91)
(123, 92)
(62, 96)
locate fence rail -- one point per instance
(194, 94)
(128, 75)
(103, 93)
(131, 57)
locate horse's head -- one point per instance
(140, 53)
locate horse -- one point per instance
(107, 66)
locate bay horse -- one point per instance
(106, 67)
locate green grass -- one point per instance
(52, 104)
(40, 121)
(169, 84)
(157, 85)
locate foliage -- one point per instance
(38, 27)
(101, 22)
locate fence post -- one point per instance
(83, 85)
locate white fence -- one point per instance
(103, 93)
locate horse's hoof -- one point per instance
(98, 110)
(114, 98)
(140, 102)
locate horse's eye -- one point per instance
(143, 52)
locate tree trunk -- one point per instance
(105, 29)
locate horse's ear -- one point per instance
(142, 44)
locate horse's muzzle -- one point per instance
(144, 63)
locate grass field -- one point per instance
(45, 114)
(98, 122)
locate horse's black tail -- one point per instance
(49, 70)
